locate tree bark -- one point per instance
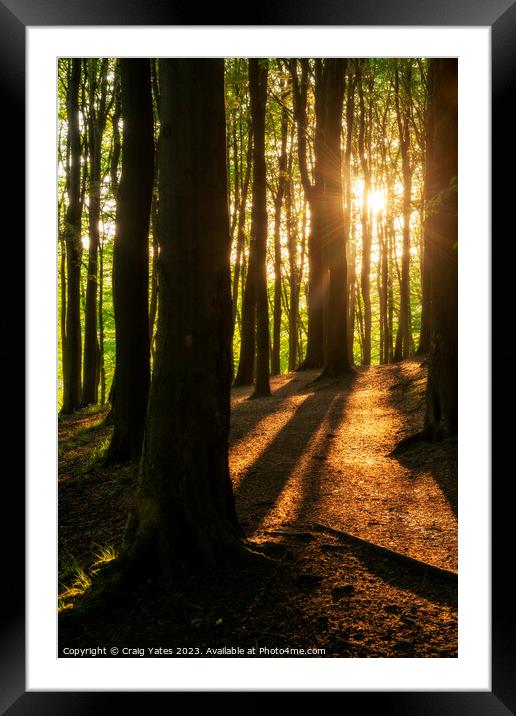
(96, 123)
(348, 212)
(426, 274)
(336, 361)
(313, 193)
(131, 262)
(184, 512)
(246, 361)
(365, 282)
(442, 403)
(258, 71)
(403, 338)
(72, 353)
(294, 279)
(240, 228)
(282, 181)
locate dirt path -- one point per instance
(315, 452)
(319, 453)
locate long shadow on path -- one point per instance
(265, 480)
(439, 460)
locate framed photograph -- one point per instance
(39, 672)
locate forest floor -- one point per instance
(311, 471)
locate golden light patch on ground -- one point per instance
(323, 456)
(256, 434)
(290, 501)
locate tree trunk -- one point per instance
(102, 366)
(442, 404)
(72, 353)
(426, 273)
(246, 361)
(258, 92)
(403, 339)
(184, 512)
(282, 168)
(131, 263)
(336, 361)
(313, 193)
(293, 279)
(153, 307)
(348, 212)
(365, 282)
(245, 372)
(96, 123)
(384, 297)
(240, 228)
(352, 253)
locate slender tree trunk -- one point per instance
(246, 362)
(390, 290)
(245, 372)
(113, 170)
(352, 277)
(426, 273)
(348, 212)
(72, 353)
(293, 280)
(337, 358)
(154, 215)
(366, 225)
(282, 167)
(117, 114)
(96, 123)
(239, 266)
(313, 194)
(258, 92)
(403, 340)
(131, 262)
(153, 307)
(442, 404)
(384, 297)
(62, 276)
(102, 366)
(185, 510)
(360, 318)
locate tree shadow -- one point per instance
(265, 481)
(438, 459)
(427, 586)
(245, 414)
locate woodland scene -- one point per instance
(257, 361)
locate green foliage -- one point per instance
(382, 136)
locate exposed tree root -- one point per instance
(385, 551)
(428, 435)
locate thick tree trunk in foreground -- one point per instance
(184, 511)
(442, 402)
(72, 352)
(258, 91)
(131, 262)
(336, 355)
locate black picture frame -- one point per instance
(500, 16)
